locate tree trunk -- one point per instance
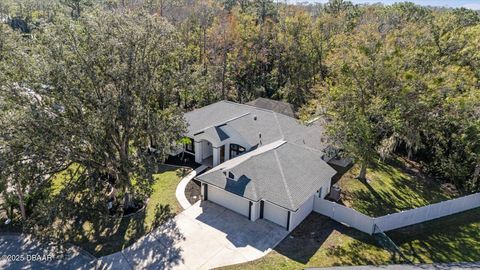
(224, 70)
(476, 174)
(124, 175)
(363, 171)
(205, 71)
(127, 199)
(21, 201)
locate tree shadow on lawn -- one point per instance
(155, 250)
(77, 216)
(313, 234)
(102, 235)
(453, 238)
(340, 172)
(393, 188)
(427, 189)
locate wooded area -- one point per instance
(103, 84)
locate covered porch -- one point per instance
(209, 155)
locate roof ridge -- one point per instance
(204, 106)
(287, 190)
(305, 146)
(223, 122)
(257, 108)
(234, 162)
(279, 126)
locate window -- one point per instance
(190, 147)
(236, 150)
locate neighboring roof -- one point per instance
(282, 173)
(314, 136)
(274, 105)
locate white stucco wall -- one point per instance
(228, 200)
(235, 137)
(255, 211)
(302, 212)
(275, 214)
(325, 189)
(206, 149)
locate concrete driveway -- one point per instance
(204, 236)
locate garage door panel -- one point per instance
(275, 214)
(228, 200)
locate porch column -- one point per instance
(216, 156)
(198, 152)
(227, 151)
(204, 192)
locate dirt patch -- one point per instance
(318, 231)
(340, 172)
(192, 191)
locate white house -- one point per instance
(264, 164)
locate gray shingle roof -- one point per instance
(286, 175)
(247, 120)
(217, 133)
(286, 168)
(274, 105)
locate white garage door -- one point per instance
(275, 214)
(228, 200)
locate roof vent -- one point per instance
(255, 118)
(260, 137)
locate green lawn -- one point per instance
(450, 239)
(59, 179)
(322, 242)
(391, 187)
(102, 236)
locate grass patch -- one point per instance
(164, 192)
(391, 187)
(103, 235)
(322, 242)
(454, 238)
(59, 180)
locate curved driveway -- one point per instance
(204, 236)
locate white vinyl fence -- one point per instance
(429, 212)
(357, 220)
(345, 215)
